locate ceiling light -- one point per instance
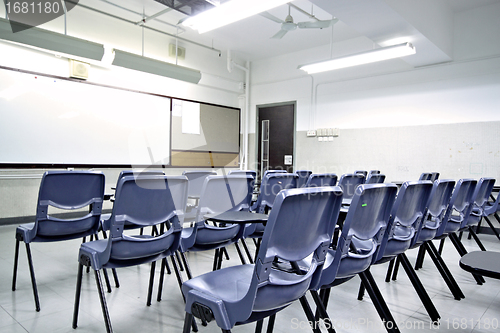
(53, 41)
(153, 66)
(229, 12)
(383, 53)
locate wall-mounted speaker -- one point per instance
(181, 52)
(78, 69)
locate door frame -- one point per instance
(257, 128)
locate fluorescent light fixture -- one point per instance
(383, 53)
(229, 12)
(53, 41)
(153, 66)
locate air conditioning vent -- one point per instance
(78, 69)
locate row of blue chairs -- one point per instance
(377, 228)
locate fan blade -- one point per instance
(316, 24)
(279, 34)
(271, 17)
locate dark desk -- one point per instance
(237, 217)
(486, 263)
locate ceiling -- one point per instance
(428, 24)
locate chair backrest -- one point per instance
(432, 176)
(140, 173)
(300, 225)
(146, 201)
(436, 209)
(481, 196)
(406, 218)
(425, 176)
(272, 171)
(492, 207)
(303, 177)
(224, 193)
(362, 172)
(196, 179)
(321, 179)
(373, 172)
(271, 185)
(459, 208)
(362, 232)
(375, 179)
(69, 190)
(243, 172)
(349, 182)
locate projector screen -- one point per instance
(46, 120)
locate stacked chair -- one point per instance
(321, 179)
(458, 210)
(405, 223)
(68, 191)
(361, 238)
(300, 225)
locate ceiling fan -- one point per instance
(289, 25)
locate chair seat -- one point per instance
(231, 284)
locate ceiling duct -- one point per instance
(189, 7)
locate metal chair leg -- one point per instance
(309, 314)
(162, 274)
(104, 306)
(443, 270)
(151, 281)
(322, 311)
(270, 323)
(179, 281)
(240, 254)
(378, 302)
(16, 259)
(396, 269)
(419, 288)
(33, 279)
(389, 270)
(247, 251)
(77, 295)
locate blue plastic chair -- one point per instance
(478, 201)
(375, 179)
(491, 208)
(243, 172)
(219, 194)
(66, 190)
(105, 222)
(407, 219)
(362, 172)
(270, 186)
(321, 179)
(303, 177)
(349, 183)
(373, 172)
(432, 176)
(146, 201)
(300, 225)
(458, 210)
(196, 180)
(436, 209)
(362, 235)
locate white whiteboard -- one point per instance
(47, 120)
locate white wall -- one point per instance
(19, 188)
(390, 97)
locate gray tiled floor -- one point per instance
(56, 268)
